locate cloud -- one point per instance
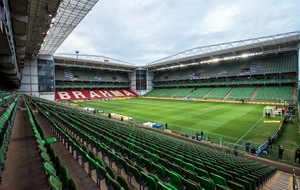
(142, 31)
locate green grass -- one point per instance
(231, 121)
(289, 139)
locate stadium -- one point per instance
(214, 117)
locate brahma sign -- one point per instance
(91, 94)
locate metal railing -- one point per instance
(295, 184)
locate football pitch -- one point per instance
(234, 123)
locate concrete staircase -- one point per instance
(208, 93)
(295, 94)
(254, 94)
(280, 181)
(228, 94)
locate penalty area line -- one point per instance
(249, 130)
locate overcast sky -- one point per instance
(142, 31)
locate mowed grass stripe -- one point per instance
(226, 119)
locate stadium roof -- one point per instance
(92, 62)
(232, 50)
(69, 15)
(23, 28)
(28, 28)
(261, 46)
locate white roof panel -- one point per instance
(69, 15)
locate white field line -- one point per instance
(249, 130)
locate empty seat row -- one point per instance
(6, 123)
(58, 175)
(158, 152)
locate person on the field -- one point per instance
(270, 143)
(280, 152)
(208, 140)
(247, 145)
(253, 150)
(297, 155)
(197, 136)
(166, 125)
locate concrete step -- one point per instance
(280, 181)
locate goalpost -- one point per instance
(269, 110)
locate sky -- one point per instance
(142, 31)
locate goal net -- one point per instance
(269, 111)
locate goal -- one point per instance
(269, 110)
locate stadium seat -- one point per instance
(72, 185)
(123, 182)
(218, 179)
(54, 183)
(150, 183)
(235, 186)
(206, 183)
(191, 185)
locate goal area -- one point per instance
(269, 111)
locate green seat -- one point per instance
(148, 165)
(42, 148)
(123, 182)
(161, 186)
(219, 168)
(110, 172)
(199, 165)
(251, 181)
(222, 187)
(138, 160)
(218, 179)
(176, 168)
(49, 168)
(235, 186)
(57, 163)
(72, 185)
(202, 172)
(137, 175)
(175, 179)
(92, 155)
(189, 174)
(178, 161)
(226, 176)
(149, 182)
(64, 176)
(54, 183)
(99, 161)
(160, 172)
(246, 184)
(233, 174)
(189, 166)
(112, 184)
(154, 158)
(191, 185)
(206, 183)
(45, 157)
(85, 149)
(50, 140)
(171, 187)
(128, 170)
(212, 170)
(101, 174)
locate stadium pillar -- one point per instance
(38, 77)
(298, 83)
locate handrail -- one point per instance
(295, 184)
